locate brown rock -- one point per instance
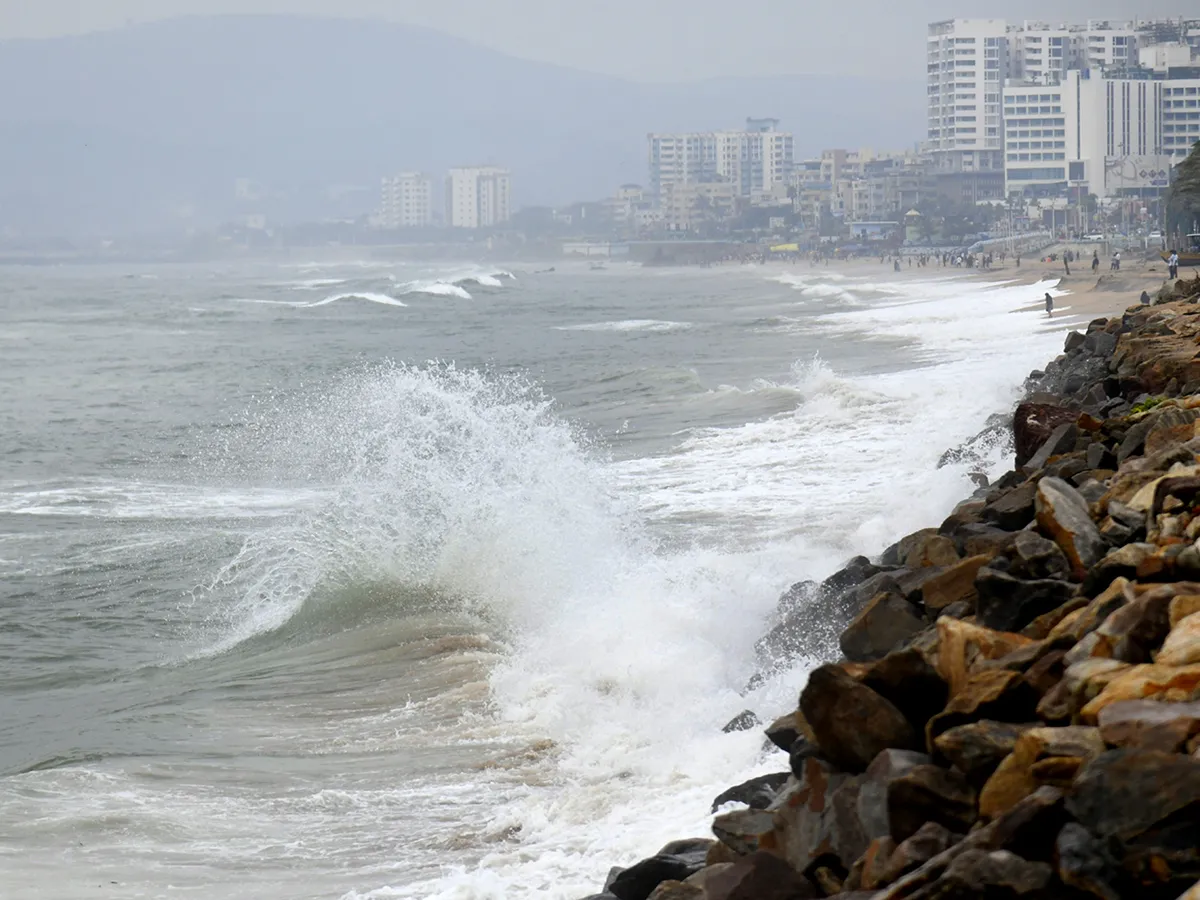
(1075, 626)
(746, 830)
(1014, 509)
(930, 794)
(1017, 776)
(828, 882)
(1063, 515)
(954, 585)
(1182, 606)
(1041, 627)
(961, 646)
(784, 730)
(873, 809)
(999, 873)
(760, 876)
(719, 853)
(868, 870)
(885, 622)
(1033, 423)
(1150, 725)
(677, 890)
(908, 680)
(928, 841)
(1123, 793)
(851, 723)
(816, 817)
(700, 879)
(1008, 603)
(934, 550)
(1169, 683)
(1047, 672)
(1192, 893)
(1131, 631)
(977, 748)
(994, 694)
(1080, 683)
(1182, 646)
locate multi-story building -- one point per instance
(478, 197)
(966, 64)
(758, 159)
(406, 201)
(692, 207)
(1181, 116)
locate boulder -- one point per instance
(1131, 631)
(1169, 683)
(1028, 767)
(990, 694)
(677, 890)
(1034, 557)
(1123, 793)
(1074, 626)
(1182, 606)
(1080, 684)
(816, 818)
(1033, 423)
(930, 794)
(977, 748)
(926, 843)
(757, 793)
(1063, 515)
(932, 550)
(870, 871)
(975, 874)
(873, 803)
(885, 622)
(800, 753)
(955, 584)
(760, 876)
(1012, 510)
(1182, 645)
(1062, 440)
(909, 681)
(639, 880)
(1149, 725)
(1007, 603)
(850, 722)
(961, 646)
(1084, 863)
(784, 730)
(746, 831)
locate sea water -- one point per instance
(361, 579)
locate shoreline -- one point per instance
(1010, 701)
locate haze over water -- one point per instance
(291, 611)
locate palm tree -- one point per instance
(1183, 199)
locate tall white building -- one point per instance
(407, 201)
(966, 65)
(752, 161)
(478, 197)
(1181, 116)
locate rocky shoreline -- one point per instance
(1015, 712)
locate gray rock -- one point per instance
(757, 793)
(743, 721)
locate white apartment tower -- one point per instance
(478, 197)
(966, 64)
(407, 201)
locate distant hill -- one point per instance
(127, 129)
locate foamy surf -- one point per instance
(628, 325)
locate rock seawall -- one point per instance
(1012, 703)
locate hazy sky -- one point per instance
(663, 40)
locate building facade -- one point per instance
(478, 197)
(966, 65)
(756, 160)
(406, 201)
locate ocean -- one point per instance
(380, 580)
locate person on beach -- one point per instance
(1067, 262)
(1018, 262)
(1116, 261)
(1145, 299)
(1095, 260)
(1173, 265)
(1049, 305)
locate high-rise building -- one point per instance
(407, 201)
(478, 197)
(756, 160)
(966, 64)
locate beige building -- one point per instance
(406, 201)
(478, 197)
(690, 207)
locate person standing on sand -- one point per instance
(1095, 260)
(1049, 305)
(1173, 265)
(1067, 262)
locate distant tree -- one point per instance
(1183, 199)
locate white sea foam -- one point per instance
(628, 325)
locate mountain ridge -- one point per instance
(125, 128)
